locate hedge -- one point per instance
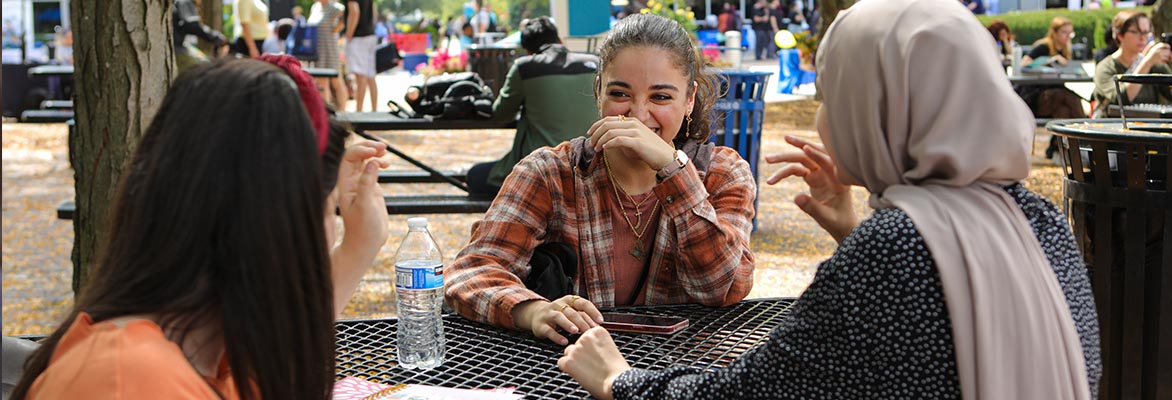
(1089, 25)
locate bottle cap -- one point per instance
(417, 222)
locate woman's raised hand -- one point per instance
(570, 313)
(633, 138)
(360, 199)
(595, 362)
(829, 200)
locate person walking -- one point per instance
(360, 46)
(763, 27)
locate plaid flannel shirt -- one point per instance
(700, 255)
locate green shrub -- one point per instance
(1033, 25)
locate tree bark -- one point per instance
(211, 13)
(1161, 18)
(123, 65)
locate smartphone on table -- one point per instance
(639, 323)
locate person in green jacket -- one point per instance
(552, 88)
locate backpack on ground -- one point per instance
(453, 96)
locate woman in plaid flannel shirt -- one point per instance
(650, 225)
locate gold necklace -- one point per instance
(637, 250)
(618, 186)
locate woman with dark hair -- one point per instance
(215, 280)
(1004, 38)
(1137, 54)
(646, 223)
(962, 284)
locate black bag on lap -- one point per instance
(453, 96)
(552, 270)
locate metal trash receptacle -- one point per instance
(1116, 194)
(492, 63)
(738, 115)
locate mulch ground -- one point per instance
(37, 271)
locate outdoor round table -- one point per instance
(1117, 197)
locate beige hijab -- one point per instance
(921, 114)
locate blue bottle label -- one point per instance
(419, 275)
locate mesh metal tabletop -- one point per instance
(481, 356)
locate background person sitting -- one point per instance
(278, 39)
(1136, 55)
(1053, 101)
(551, 87)
(1004, 38)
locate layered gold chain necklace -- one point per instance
(637, 251)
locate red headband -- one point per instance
(309, 95)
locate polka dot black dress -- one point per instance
(873, 323)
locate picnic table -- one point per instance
(362, 122)
(60, 109)
(1070, 73)
(403, 204)
(481, 356)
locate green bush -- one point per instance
(1032, 25)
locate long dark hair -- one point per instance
(652, 30)
(218, 222)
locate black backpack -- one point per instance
(453, 96)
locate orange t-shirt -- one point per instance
(104, 361)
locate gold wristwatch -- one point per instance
(671, 168)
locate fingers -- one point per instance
(802, 142)
(580, 311)
(788, 171)
(546, 331)
(597, 125)
(364, 149)
(368, 182)
(587, 307)
(819, 156)
(792, 156)
(579, 322)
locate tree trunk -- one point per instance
(123, 65)
(211, 13)
(1161, 18)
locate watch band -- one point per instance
(672, 167)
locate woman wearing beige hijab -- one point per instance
(961, 284)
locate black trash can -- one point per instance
(492, 63)
(1118, 200)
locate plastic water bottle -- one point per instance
(1015, 62)
(419, 282)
